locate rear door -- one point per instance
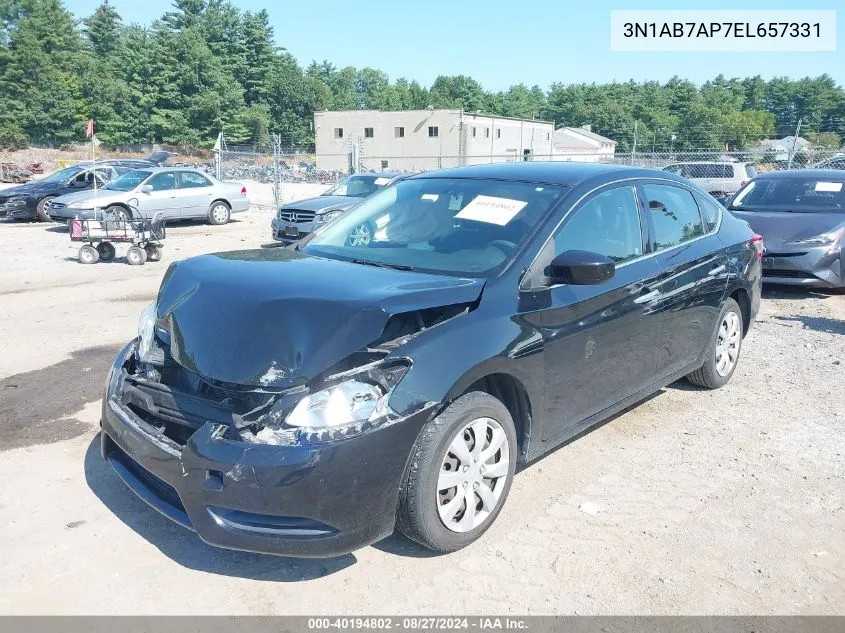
(195, 193)
(162, 199)
(693, 272)
(597, 340)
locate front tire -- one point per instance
(41, 209)
(136, 256)
(460, 474)
(723, 350)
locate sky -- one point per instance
(500, 43)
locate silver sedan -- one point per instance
(172, 193)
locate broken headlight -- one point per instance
(148, 350)
(354, 402)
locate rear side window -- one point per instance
(191, 180)
(608, 224)
(673, 214)
(709, 211)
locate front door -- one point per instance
(162, 199)
(693, 277)
(194, 194)
(598, 343)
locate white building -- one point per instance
(419, 140)
(581, 144)
(780, 148)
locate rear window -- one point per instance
(708, 170)
(797, 194)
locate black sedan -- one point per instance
(801, 215)
(31, 201)
(305, 401)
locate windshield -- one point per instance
(128, 181)
(798, 194)
(63, 175)
(442, 225)
(359, 186)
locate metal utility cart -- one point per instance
(100, 234)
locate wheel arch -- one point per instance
(223, 200)
(743, 300)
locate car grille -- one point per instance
(296, 215)
(790, 274)
(57, 205)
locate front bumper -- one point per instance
(22, 210)
(66, 213)
(813, 267)
(306, 501)
(279, 230)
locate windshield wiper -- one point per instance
(367, 262)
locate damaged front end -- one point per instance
(350, 398)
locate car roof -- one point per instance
(383, 174)
(710, 162)
(818, 174)
(548, 172)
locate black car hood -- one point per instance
(276, 317)
(28, 189)
(324, 203)
(782, 228)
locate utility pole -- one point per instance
(794, 143)
(634, 146)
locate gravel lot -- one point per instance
(727, 502)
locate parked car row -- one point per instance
(494, 312)
(90, 187)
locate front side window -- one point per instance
(607, 224)
(442, 225)
(192, 180)
(162, 182)
(673, 214)
(62, 175)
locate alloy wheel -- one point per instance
(360, 236)
(727, 343)
(473, 475)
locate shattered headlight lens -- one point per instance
(344, 403)
(146, 331)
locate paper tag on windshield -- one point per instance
(828, 186)
(381, 181)
(491, 209)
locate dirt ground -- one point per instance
(726, 502)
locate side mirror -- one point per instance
(146, 188)
(581, 268)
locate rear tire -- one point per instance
(723, 349)
(106, 251)
(136, 256)
(153, 253)
(88, 255)
(41, 209)
(219, 213)
(447, 449)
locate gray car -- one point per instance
(173, 193)
(298, 219)
(801, 216)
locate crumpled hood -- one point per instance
(321, 204)
(276, 317)
(27, 189)
(782, 228)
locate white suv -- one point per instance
(717, 178)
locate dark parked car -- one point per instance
(801, 215)
(835, 162)
(30, 201)
(305, 401)
(297, 219)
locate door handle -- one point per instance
(647, 297)
(716, 271)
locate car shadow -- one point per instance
(794, 293)
(184, 547)
(57, 228)
(819, 324)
